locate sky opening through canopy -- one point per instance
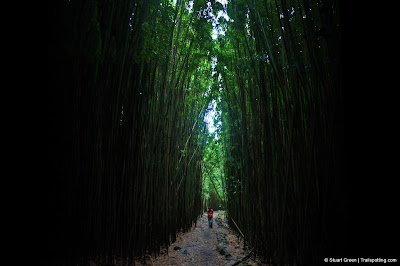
(217, 30)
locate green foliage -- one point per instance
(213, 174)
(276, 117)
(137, 165)
(135, 80)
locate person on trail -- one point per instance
(210, 217)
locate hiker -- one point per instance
(210, 217)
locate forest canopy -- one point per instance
(132, 82)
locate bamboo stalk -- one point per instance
(237, 227)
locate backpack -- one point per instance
(210, 212)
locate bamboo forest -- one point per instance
(165, 108)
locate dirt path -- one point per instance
(205, 246)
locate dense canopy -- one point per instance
(132, 83)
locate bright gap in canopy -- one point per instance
(210, 117)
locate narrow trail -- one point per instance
(205, 246)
